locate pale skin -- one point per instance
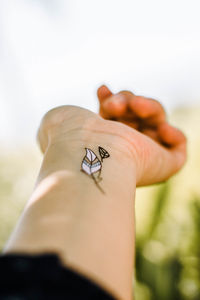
(92, 232)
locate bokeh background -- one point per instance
(55, 52)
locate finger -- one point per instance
(132, 124)
(170, 135)
(103, 92)
(148, 109)
(127, 94)
(104, 114)
(115, 105)
(153, 134)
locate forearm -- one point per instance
(97, 232)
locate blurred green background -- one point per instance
(168, 226)
(168, 216)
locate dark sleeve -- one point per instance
(43, 277)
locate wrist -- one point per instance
(65, 155)
(67, 131)
(94, 133)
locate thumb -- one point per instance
(103, 92)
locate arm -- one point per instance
(96, 232)
(93, 232)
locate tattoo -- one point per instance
(92, 165)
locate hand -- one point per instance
(161, 148)
(157, 149)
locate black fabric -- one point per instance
(39, 277)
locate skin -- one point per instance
(148, 117)
(92, 232)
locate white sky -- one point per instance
(55, 52)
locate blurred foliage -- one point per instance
(169, 268)
(167, 217)
(18, 172)
(168, 226)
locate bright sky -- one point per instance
(55, 52)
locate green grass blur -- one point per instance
(167, 216)
(168, 226)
